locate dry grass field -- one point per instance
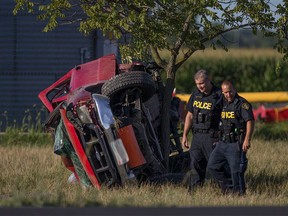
(34, 176)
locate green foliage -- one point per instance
(28, 132)
(272, 131)
(249, 74)
(31, 121)
(14, 137)
(172, 25)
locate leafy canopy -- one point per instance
(144, 27)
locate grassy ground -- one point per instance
(34, 176)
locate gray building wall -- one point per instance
(31, 60)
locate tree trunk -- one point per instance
(165, 120)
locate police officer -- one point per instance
(203, 116)
(236, 127)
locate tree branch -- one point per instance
(156, 56)
(185, 57)
(205, 39)
(182, 37)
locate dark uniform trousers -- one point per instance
(200, 150)
(232, 154)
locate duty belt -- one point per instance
(201, 130)
(230, 138)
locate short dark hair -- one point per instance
(228, 83)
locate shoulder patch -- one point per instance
(245, 106)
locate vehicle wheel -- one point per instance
(179, 163)
(115, 86)
(175, 178)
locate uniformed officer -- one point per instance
(203, 116)
(236, 126)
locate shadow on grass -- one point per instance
(265, 182)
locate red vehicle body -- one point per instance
(93, 73)
(110, 113)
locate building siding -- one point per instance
(31, 60)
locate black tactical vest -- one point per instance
(206, 109)
(231, 120)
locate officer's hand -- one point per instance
(214, 144)
(185, 142)
(246, 146)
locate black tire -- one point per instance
(175, 178)
(179, 163)
(136, 79)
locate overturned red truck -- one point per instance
(105, 120)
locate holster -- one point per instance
(231, 137)
(214, 134)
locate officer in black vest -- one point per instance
(203, 118)
(236, 127)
